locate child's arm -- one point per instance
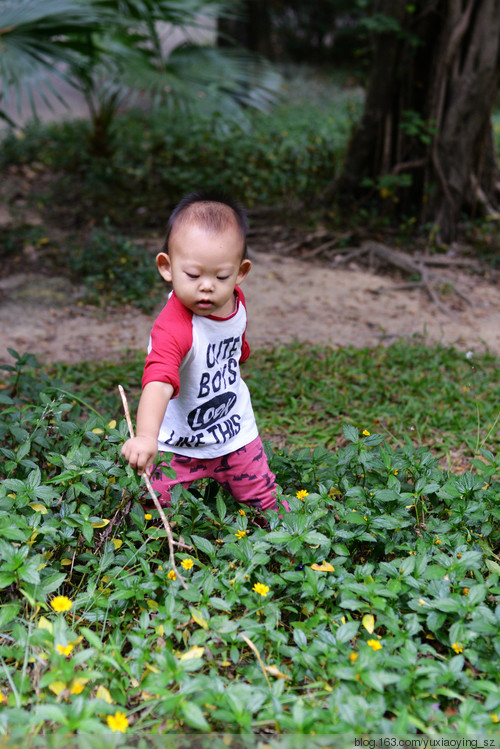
(141, 450)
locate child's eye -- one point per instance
(222, 278)
(191, 275)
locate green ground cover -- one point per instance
(373, 606)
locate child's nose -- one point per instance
(206, 283)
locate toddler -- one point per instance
(194, 403)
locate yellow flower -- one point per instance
(117, 543)
(494, 717)
(3, 698)
(242, 512)
(64, 649)
(148, 516)
(465, 591)
(353, 657)
(374, 644)
(457, 647)
(302, 494)
(61, 603)
(118, 722)
(240, 534)
(171, 575)
(437, 541)
(187, 564)
(261, 589)
(366, 432)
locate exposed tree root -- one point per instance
(408, 265)
(322, 245)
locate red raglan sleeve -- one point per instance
(245, 347)
(171, 340)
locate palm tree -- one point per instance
(112, 49)
(40, 41)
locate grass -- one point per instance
(440, 397)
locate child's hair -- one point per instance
(214, 211)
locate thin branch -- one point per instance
(152, 493)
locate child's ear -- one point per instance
(244, 270)
(163, 265)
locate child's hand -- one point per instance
(140, 453)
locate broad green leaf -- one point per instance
(315, 538)
(203, 545)
(477, 593)
(299, 637)
(350, 433)
(8, 612)
(353, 604)
(194, 717)
(373, 440)
(346, 631)
(221, 507)
(386, 495)
(279, 537)
(447, 605)
(493, 566)
(52, 582)
(379, 679)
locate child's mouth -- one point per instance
(205, 303)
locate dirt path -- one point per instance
(288, 299)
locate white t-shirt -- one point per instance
(210, 413)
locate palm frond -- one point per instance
(205, 80)
(43, 40)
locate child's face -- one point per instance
(204, 268)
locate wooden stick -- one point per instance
(152, 493)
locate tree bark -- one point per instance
(252, 30)
(425, 144)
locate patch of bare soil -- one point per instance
(289, 299)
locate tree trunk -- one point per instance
(425, 141)
(251, 30)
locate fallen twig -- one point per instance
(152, 494)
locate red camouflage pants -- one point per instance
(244, 473)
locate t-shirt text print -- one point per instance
(210, 414)
(213, 416)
